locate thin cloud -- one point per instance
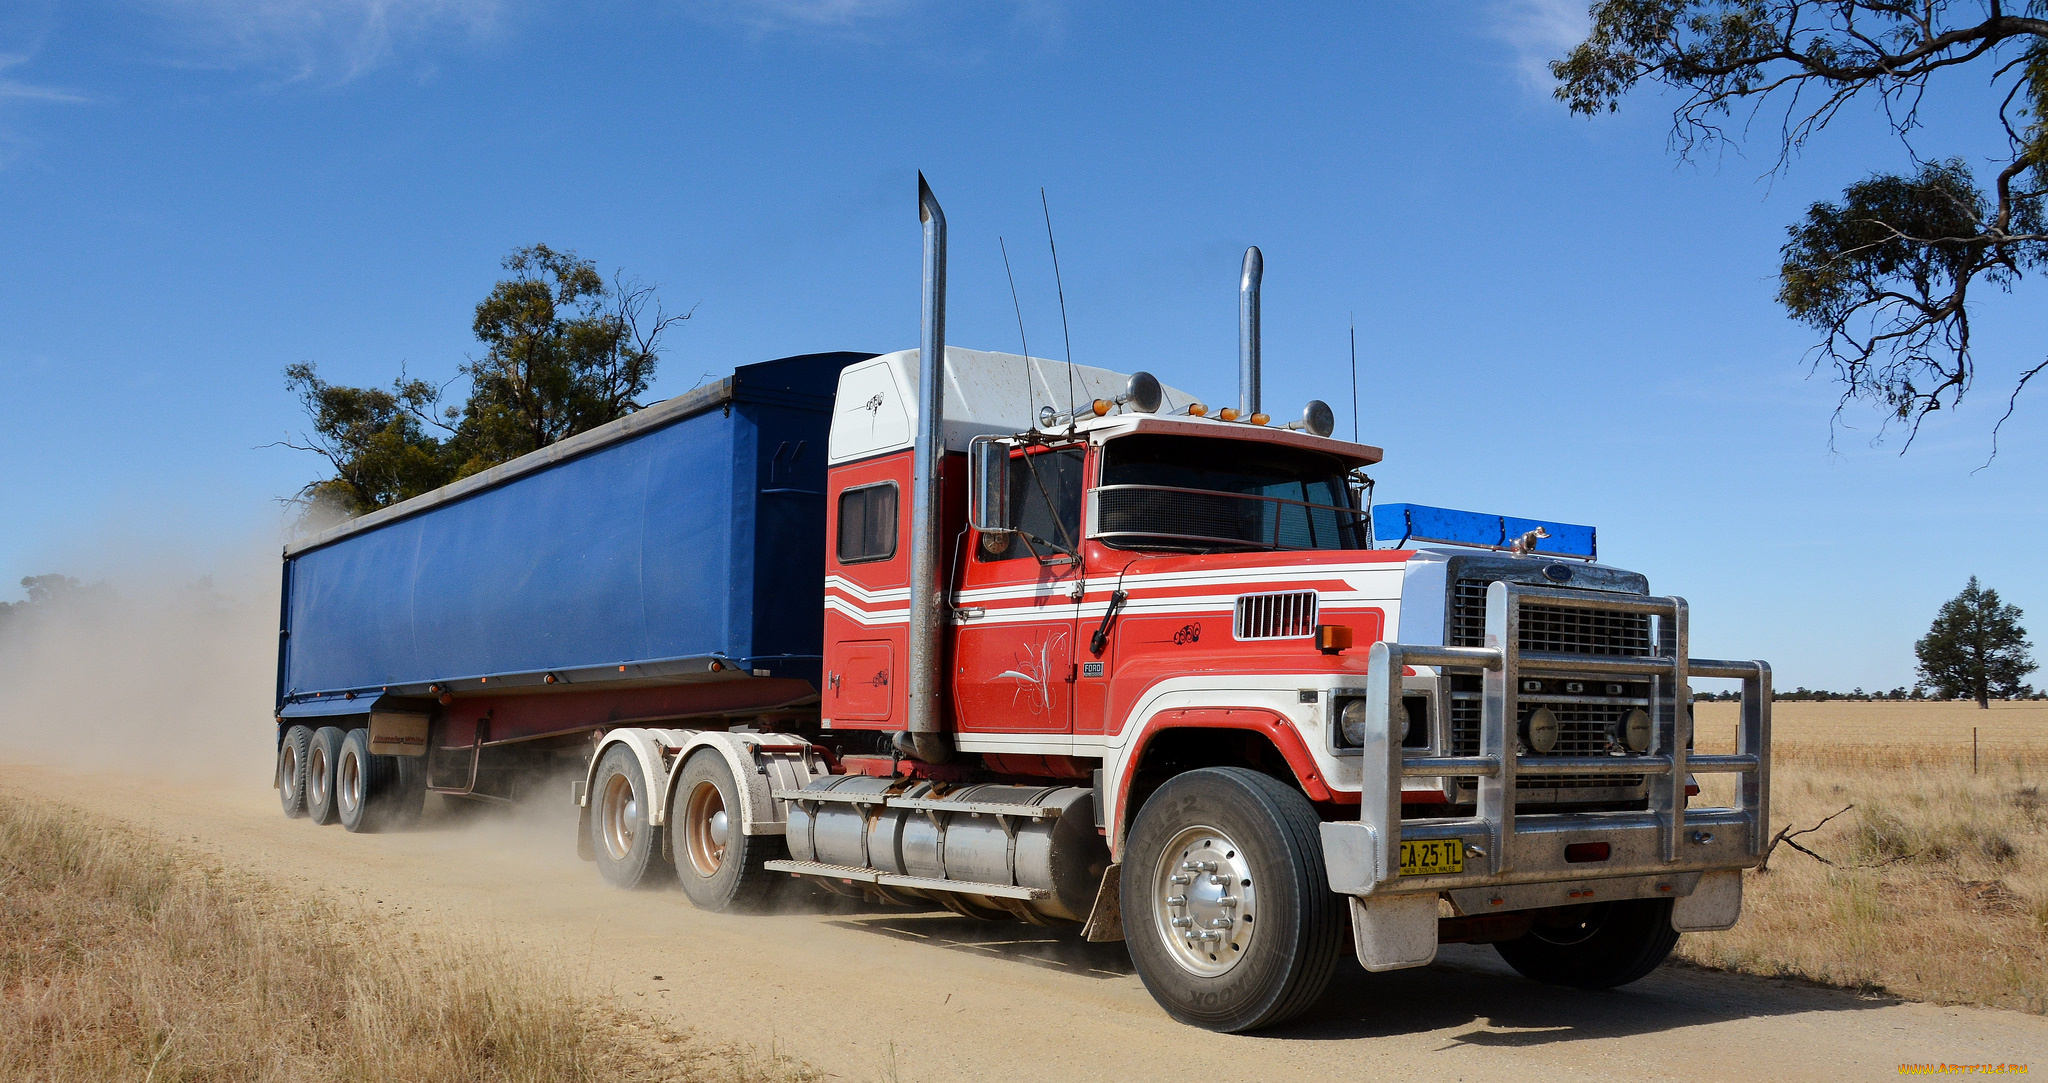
(15, 90)
(324, 39)
(1539, 31)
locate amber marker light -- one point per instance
(1260, 419)
(1228, 413)
(1102, 406)
(1333, 638)
(1196, 409)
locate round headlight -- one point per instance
(1542, 730)
(1636, 731)
(1353, 721)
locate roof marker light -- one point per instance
(1196, 409)
(1228, 413)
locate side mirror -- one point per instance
(988, 485)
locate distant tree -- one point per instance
(1885, 275)
(565, 352)
(48, 592)
(1976, 649)
(377, 442)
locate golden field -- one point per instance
(1939, 885)
(122, 958)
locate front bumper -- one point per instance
(1516, 862)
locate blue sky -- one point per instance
(1555, 319)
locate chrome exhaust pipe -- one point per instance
(924, 707)
(1248, 332)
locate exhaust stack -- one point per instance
(1248, 332)
(924, 709)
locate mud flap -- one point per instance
(1394, 931)
(585, 849)
(1106, 918)
(1714, 905)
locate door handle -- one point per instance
(971, 612)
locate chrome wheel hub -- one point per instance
(350, 788)
(620, 817)
(706, 827)
(1204, 901)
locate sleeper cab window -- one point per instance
(867, 523)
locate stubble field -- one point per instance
(1933, 884)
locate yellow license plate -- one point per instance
(1430, 858)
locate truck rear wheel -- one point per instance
(626, 841)
(1227, 912)
(719, 865)
(291, 770)
(366, 791)
(1596, 946)
(322, 753)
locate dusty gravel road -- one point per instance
(874, 995)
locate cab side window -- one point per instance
(867, 523)
(1045, 502)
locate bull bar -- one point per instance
(1665, 847)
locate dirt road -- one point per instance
(866, 994)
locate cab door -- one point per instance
(1016, 609)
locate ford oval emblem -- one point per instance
(1558, 573)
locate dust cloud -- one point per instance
(164, 665)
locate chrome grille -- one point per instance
(1584, 729)
(1288, 615)
(1550, 628)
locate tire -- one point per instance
(719, 866)
(1261, 833)
(409, 790)
(365, 785)
(627, 844)
(1598, 946)
(322, 753)
(291, 770)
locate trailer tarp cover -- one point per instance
(697, 530)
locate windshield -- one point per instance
(1200, 494)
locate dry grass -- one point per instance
(1939, 888)
(121, 959)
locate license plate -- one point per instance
(1430, 858)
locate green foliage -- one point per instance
(376, 441)
(1885, 273)
(565, 352)
(1976, 649)
(562, 358)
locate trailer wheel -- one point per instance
(627, 844)
(718, 864)
(365, 785)
(408, 790)
(323, 752)
(1596, 946)
(1229, 918)
(291, 770)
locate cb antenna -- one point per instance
(1354, 377)
(1019, 306)
(1064, 332)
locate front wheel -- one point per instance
(1229, 919)
(1596, 946)
(719, 865)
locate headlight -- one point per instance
(1635, 730)
(1352, 719)
(1542, 730)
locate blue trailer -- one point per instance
(666, 565)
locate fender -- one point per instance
(647, 746)
(1269, 724)
(790, 764)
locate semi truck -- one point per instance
(1036, 641)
